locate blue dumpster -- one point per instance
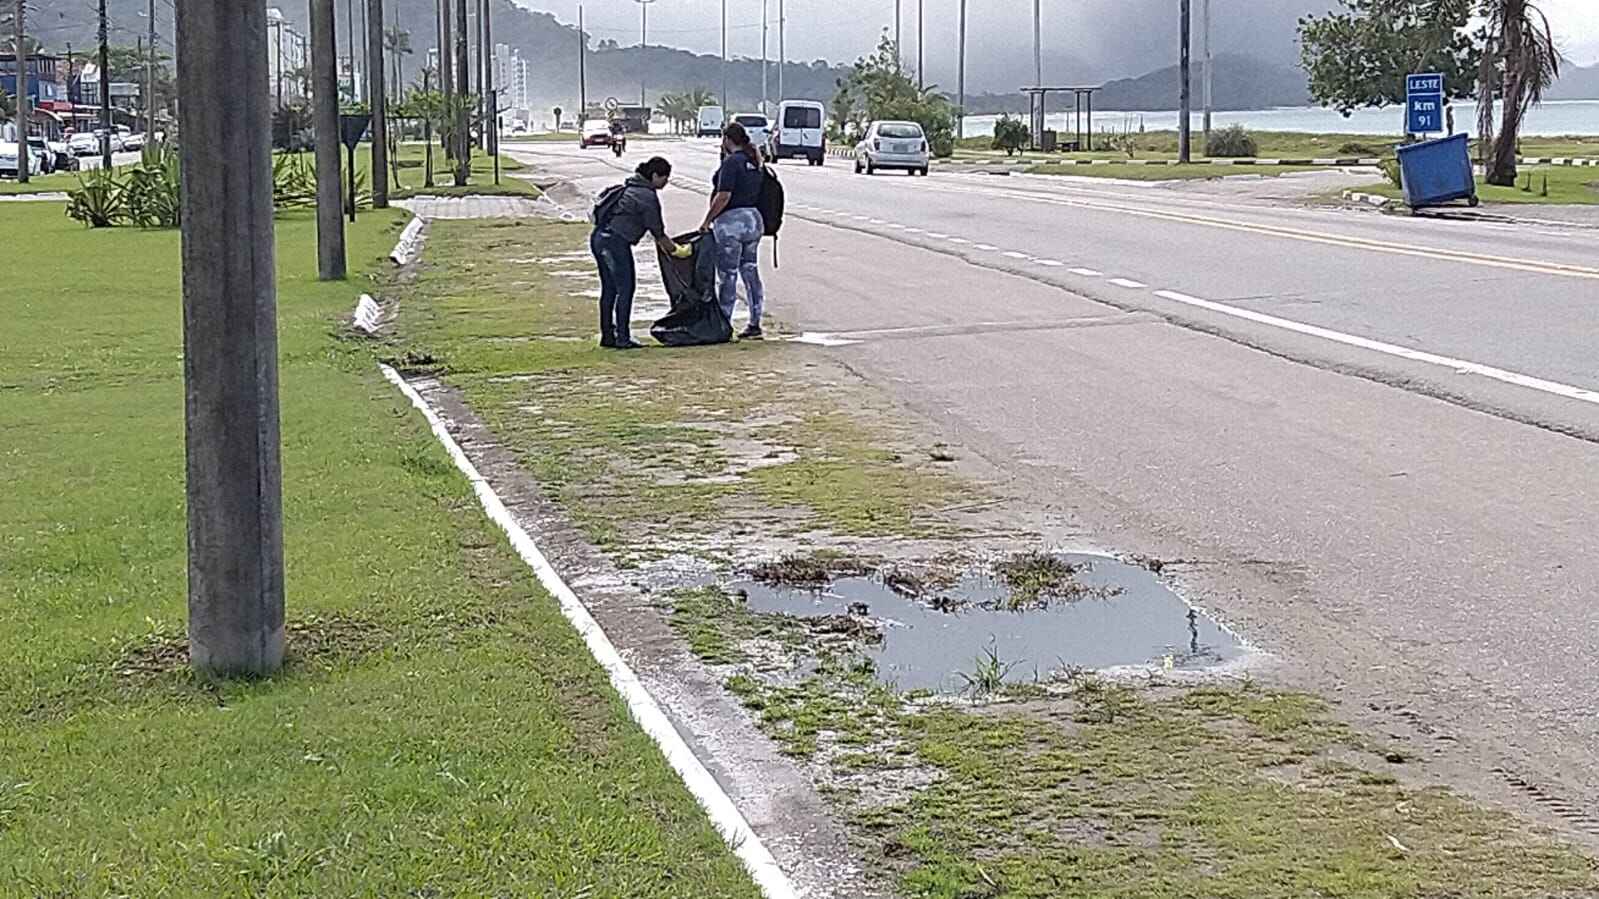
(1435, 172)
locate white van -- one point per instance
(799, 131)
(712, 120)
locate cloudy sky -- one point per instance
(1086, 40)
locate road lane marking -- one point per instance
(1086, 272)
(1346, 241)
(1128, 283)
(1051, 263)
(938, 235)
(1460, 366)
(958, 240)
(985, 247)
(1012, 254)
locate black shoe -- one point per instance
(607, 342)
(629, 344)
(753, 332)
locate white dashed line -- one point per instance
(1086, 272)
(1128, 283)
(1052, 263)
(860, 218)
(986, 247)
(958, 240)
(875, 222)
(1012, 254)
(914, 231)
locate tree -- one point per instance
(1519, 63)
(879, 88)
(397, 44)
(1360, 56)
(1010, 134)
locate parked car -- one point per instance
(799, 131)
(8, 160)
(133, 142)
(596, 133)
(711, 121)
(84, 143)
(758, 126)
(62, 156)
(893, 145)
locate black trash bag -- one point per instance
(696, 318)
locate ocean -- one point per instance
(1552, 119)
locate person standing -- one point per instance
(624, 215)
(735, 219)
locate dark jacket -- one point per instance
(638, 212)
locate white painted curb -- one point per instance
(1377, 200)
(368, 314)
(763, 868)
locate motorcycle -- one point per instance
(618, 145)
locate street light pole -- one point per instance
(899, 47)
(1185, 125)
(1038, 43)
(463, 82)
(349, 36)
(960, 102)
(724, 55)
(766, 95)
(921, 43)
(149, 80)
(1210, 68)
(233, 464)
(643, 43)
(582, 74)
(782, 50)
(377, 93)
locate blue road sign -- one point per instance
(1424, 104)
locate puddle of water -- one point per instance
(925, 649)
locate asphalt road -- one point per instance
(1370, 440)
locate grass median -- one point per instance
(438, 729)
(1548, 185)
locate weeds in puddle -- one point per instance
(988, 675)
(1035, 579)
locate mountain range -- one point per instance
(550, 47)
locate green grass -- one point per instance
(1568, 186)
(40, 184)
(1194, 172)
(412, 176)
(438, 730)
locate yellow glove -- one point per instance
(683, 251)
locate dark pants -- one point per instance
(618, 280)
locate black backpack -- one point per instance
(605, 208)
(770, 203)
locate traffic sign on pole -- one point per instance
(1424, 104)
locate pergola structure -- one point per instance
(1038, 102)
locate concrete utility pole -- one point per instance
(149, 82)
(19, 46)
(1185, 125)
(325, 119)
(463, 81)
(782, 51)
(377, 88)
(480, 9)
(105, 92)
(1210, 71)
(1038, 44)
(643, 42)
(724, 56)
(230, 345)
(492, 128)
(960, 102)
(921, 44)
(447, 71)
(349, 37)
(899, 46)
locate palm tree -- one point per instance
(397, 43)
(1519, 63)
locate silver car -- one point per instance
(893, 145)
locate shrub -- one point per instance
(1232, 142)
(153, 191)
(1010, 134)
(98, 200)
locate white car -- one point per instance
(84, 143)
(893, 145)
(800, 131)
(8, 160)
(758, 127)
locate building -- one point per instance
(47, 92)
(288, 58)
(511, 79)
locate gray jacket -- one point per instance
(638, 212)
